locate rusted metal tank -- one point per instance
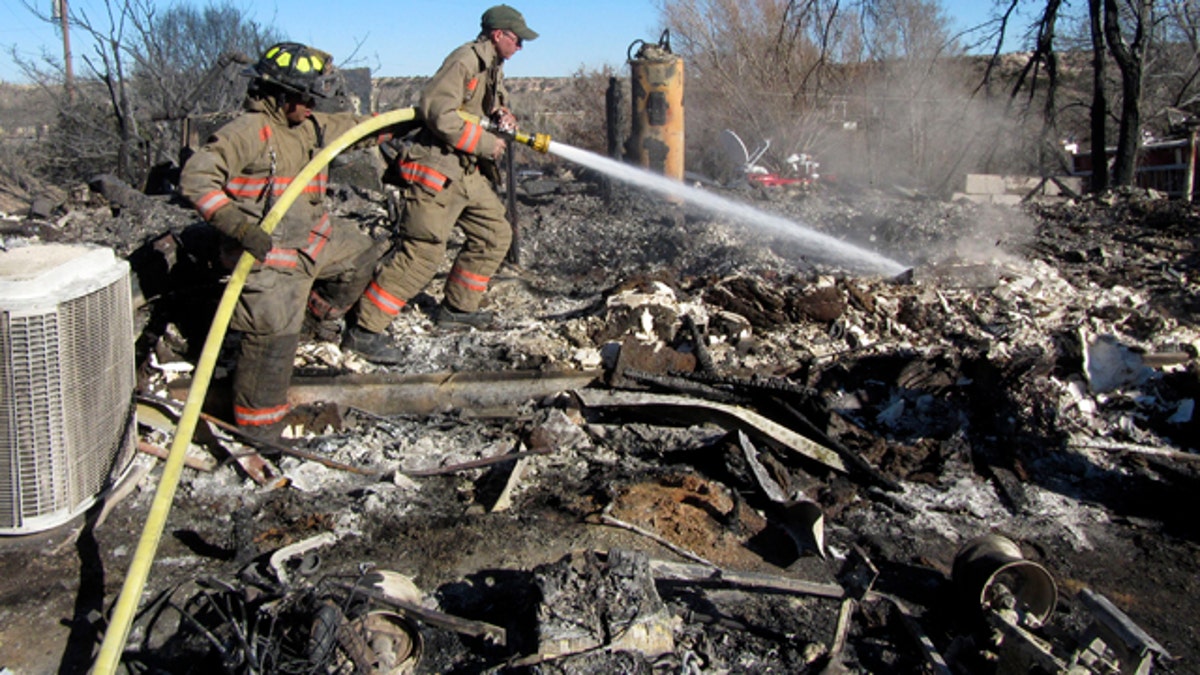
(656, 136)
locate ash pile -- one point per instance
(690, 446)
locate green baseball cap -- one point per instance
(503, 17)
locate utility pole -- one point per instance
(60, 9)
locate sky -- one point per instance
(398, 38)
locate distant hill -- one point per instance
(22, 108)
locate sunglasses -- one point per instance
(303, 99)
(515, 38)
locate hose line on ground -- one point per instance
(139, 568)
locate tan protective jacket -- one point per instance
(243, 168)
(470, 79)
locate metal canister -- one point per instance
(656, 140)
(990, 571)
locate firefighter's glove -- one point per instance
(504, 120)
(233, 223)
(498, 150)
(255, 240)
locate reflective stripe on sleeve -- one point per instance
(212, 202)
(469, 140)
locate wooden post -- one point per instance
(612, 109)
(69, 73)
(612, 123)
(1189, 172)
(513, 257)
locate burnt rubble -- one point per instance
(692, 447)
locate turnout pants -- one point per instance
(472, 204)
(270, 313)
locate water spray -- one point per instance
(821, 245)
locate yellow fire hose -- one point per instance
(139, 568)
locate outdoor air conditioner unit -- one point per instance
(67, 379)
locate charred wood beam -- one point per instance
(395, 394)
(683, 385)
(757, 385)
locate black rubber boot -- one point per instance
(447, 317)
(374, 347)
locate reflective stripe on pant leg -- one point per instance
(426, 228)
(261, 379)
(488, 236)
(269, 313)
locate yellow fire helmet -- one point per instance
(295, 67)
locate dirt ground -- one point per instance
(967, 388)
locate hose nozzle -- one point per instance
(539, 142)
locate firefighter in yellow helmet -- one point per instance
(233, 181)
(446, 180)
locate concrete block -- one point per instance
(1021, 185)
(977, 199)
(1007, 200)
(1073, 183)
(984, 184)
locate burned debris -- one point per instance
(710, 453)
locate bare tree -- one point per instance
(914, 79)
(760, 68)
(1127, 30)
(144, 70)
(1044, 59)
(869, 86)
(1099, 107)
(1172, 79)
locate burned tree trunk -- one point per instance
(1130, 60)
(1045, 57)
(1099, 109)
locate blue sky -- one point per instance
(411, 38)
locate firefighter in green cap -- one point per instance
(234, 179)
(446, 173)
